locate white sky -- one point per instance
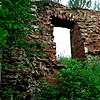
(62, 39)
(64, 2)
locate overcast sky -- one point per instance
(64, 2)
(62, 39)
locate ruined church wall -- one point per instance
(84, 34)
(85, 40)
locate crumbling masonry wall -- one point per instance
(84, 25)
(85, 40)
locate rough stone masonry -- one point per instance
(84, 25)
(85, 40)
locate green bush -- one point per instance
(78, 81)
(8, 93)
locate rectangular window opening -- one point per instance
(63, 42)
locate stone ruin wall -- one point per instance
(85, 40)
(85, 29)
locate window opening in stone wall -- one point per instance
(60, 25)
(63, 42)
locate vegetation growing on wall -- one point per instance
(15, 27)
(77, 81)
(14, 18)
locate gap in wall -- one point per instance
(63, 42)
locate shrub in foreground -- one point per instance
(78, 81)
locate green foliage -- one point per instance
(78, 81)
(7, 94)
(79, 4)
(19, 96)
(96, 6)
(14, 18)
(15, 28)
(23, 67)
(64, 61)
(27, 46)
(3, 35)
(7, 66)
